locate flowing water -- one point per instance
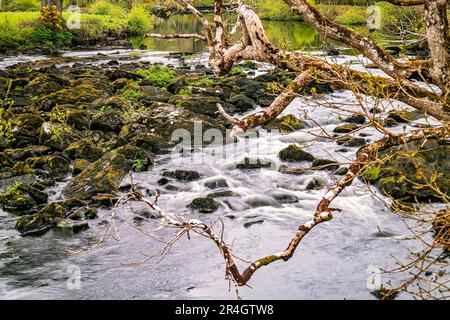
(334, 261)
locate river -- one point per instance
(334, 261)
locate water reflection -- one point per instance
(294, 34)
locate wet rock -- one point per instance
(242, 103)
(105, 200)
(114, 75)
(285, 124)
(257, 201)
(84, 149)
(84, 213)
(200, 104)
(25, 130)
(222, 194)
(107, 121)
(38, 223)
(22, 199)
(316, 183)
(56, 166)
(326, 164)
(216, 183)
(357, 118)
(22, 154)
(73, 203)
(182, 175)
(346, 128)
(341, 171)
(151, 94)
(353, 142)
(133, 153)
(78, 95)
(251, 223)
(204, 205)
(79, 166)
(150, 141)
(402, 116)
(254, 163)
(163, 181)
(294, 153)
(407, 169)
(102, 176)
(283, 196)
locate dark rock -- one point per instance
(107, 121)
(216, 183)
(163, 181)
(250, 223)
(79, 166)
(204, 205)
(357, 118)
(283, 196)
(315, 184)
(328, 164)
(293, 153)
(404, 116)
(102, 176)
(150, 141)
(242, 103)
(123, 74)
(222, 194)
(56, 166)
(254, 163)
(27, 152)
(346, 128)
(41, 222)
(182, 175)
(78, 95)
(355, 142)
(84, 149)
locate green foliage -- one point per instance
(23, 5)
(105, 108)
(203, 82)
(140, 165)
(352, 16)
(372, 173)
(138, 21)
(49, 37)
(12, 190)
(185, 92)
(6, 126)
(236, 71)
(132, 94)
(107, 8)
(159, 75)
(59, 125)
(274, 10)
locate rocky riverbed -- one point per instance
(78, 124)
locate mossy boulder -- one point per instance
(78, 95)
(409, 169)
(204, 205)
(294, 153)
(39, 223)
(152, 93)
(204, 105)
(22, 154)
(133, 153)
(102, 176)
(22, 199)
(84, 149)
(253, 163)
(357, 118)
(150, 141)
(25, 131)
(55, 166)
(79, 165)
(403, 116)
(107, 121)
(57, 136)
(285, 124)
(346, 128)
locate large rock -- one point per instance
(182, 175)
(55, 166)
(41, 222)
(407, 169)
(285, 124)
(294, 153)
(242, 103)
(204, 205)
(108, 121)
(102, 176)
(22, 199)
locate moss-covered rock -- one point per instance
(22, 154)
(84, 149)
(25, 131)
(204, 205)
(39, 223)
(151, 142)
(102, 176)
(56, 166)
(294, 153)
(242, 103)
(79, 165)
(107, 121)
(345, 128)
(78, 95)
(285, 124)
(21, 199)
(357, 118)
(409, 169)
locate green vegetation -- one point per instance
(140, 165)
(159, 75)
(132, 94)
(12, 190)
(6, 104)
(236, 71)
(203, 82)
(185, 92)
(138, 21)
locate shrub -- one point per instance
(48, 37)
(106, 8)
(138, 21)
(158, 75)
(24, 5)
